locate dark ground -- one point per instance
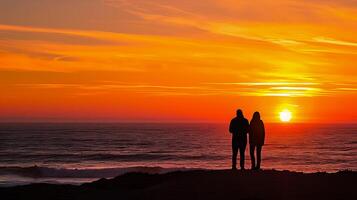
(221, 184)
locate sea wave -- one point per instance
(65, 157)
(47, 172)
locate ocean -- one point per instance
(80, 152)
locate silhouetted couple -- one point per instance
(239, 128)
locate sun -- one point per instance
(285, 115)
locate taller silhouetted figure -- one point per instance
(256, 139)
(239, 127)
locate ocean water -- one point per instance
(78, 152)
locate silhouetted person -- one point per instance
(256, 139)
(239, 127)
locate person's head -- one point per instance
(240, 113)
(256, 116)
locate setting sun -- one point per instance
(285, 115)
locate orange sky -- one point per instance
(174, 60)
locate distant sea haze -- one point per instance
(75, 152)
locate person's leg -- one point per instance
(234, 154)
(242, 147)
(252, 157)
(259, 156)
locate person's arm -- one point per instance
(263, 131)
(247, 129)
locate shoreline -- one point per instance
(200, 184)
(12, 176)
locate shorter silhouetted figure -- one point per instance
(256, 139)
(239, 127)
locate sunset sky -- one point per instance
(176, 60)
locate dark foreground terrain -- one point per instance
(222, 184)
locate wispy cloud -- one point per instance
(335, 42)
(273, 89)
(265, 83)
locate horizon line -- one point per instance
(157, 122)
